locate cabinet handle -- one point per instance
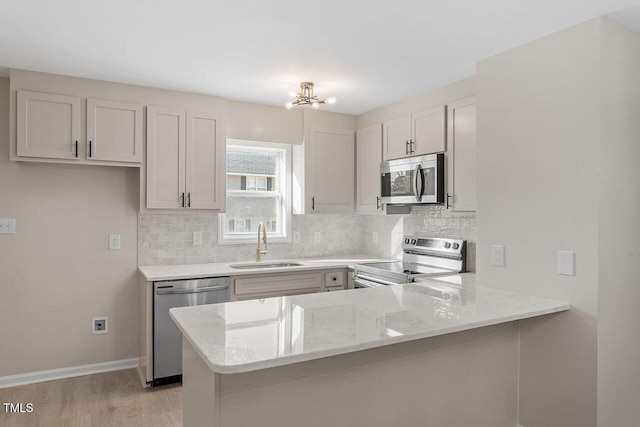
(448, 197)
(406, 148)
(182, 199)
(89, 148)
(313, 203)
(76, 148)
(411, 150)
(378, 204)
(189, 200)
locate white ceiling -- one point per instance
(366, 53)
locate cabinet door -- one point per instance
(204, 153)
(114, 131)
(368, 158)
(429, 131)
(461, 156)
(165, 158)
(331, 170)
(395, 138)
(48, 125)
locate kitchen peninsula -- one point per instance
(423, 353)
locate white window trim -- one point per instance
(285, 189)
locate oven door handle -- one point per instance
(374, 279)
(418, 180)
(360, 283)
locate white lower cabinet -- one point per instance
(282, 284)
(461, 155)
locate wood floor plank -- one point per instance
(100, 400)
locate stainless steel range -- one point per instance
(421, 257)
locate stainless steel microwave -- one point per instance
(413, 180)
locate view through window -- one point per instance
(258, 176)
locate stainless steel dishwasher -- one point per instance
(167, 339)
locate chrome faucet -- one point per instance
(260, 252)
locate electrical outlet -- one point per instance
(317, 237)
(100, 325)
(114, 242)
(296, 237)
(7, 226)
(197, 238)
(497, 255)
(374, 237)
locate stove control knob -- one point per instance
(456, 246)
(406, 241)
(414, 241)
(447, 245)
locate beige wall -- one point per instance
(57, 271)
(537, 155)
(442, 95)
(619, 228)
(256, 122)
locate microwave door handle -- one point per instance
(417, 188)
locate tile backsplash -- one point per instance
(167, 238)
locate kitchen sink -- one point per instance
(250, 265)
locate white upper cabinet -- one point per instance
(114, 131)
(429, 131)
(368, 158)
(330, 170)
(48, 125)
(185, 160)
(166, 152)
(461, 155)
(416, 134)
(205, 163)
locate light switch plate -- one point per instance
(197, 238)
(497, 255)
(7, 226)
(567, 263)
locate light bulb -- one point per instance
(315, 105)
(292, 94)
(288, 105)
(331, 100)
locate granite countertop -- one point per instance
(245, 336)
(191, 271)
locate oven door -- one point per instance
(360, 283)
(415, 180)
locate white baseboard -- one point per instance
(73, 371)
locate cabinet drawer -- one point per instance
(262, 284)
(334, 279)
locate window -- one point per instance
(258, 191)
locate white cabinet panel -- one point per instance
(48, 125)
(368, 158)
(165, 158)
(269, 283)
(461, 155)
(330, 170)
(429, 131)
(396, 137)
(114, 131)
(204, 152)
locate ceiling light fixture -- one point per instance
(307, 97)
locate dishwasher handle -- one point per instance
(169, 291)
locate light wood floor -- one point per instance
(109, 399)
